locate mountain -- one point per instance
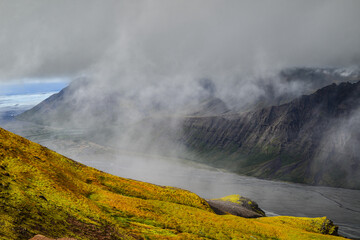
(86, 104)
(73, 105)
(313, 139)
(291, 83)
(45, 193)
(320, 77)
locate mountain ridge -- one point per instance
(276, 139)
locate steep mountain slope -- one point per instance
(289, 142)
(45, 193)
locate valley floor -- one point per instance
(276, 198)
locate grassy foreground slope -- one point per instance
(42, 192)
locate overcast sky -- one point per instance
(113, 38)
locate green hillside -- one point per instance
(42, 192)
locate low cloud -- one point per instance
(153, 55)
(146, 41)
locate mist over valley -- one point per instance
(257, 98)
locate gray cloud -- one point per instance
(144, 55)
(53, 38)
(148, 57)
(134, 40)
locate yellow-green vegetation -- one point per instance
(42, 192)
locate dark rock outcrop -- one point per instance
(236, 205)
(223, 207)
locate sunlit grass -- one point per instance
(42, 192)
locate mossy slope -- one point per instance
(42, 192)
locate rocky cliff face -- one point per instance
(283, 142)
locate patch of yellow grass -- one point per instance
(42, 192)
